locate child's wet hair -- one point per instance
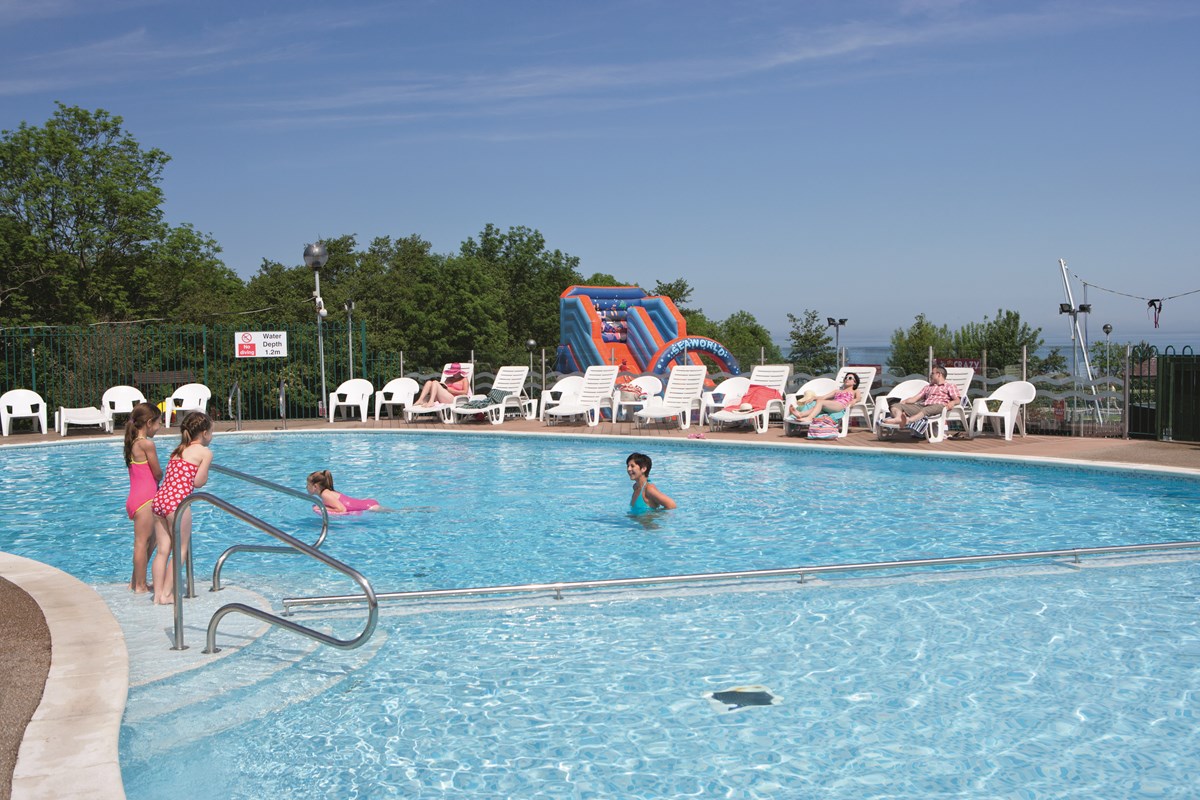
(321, 479)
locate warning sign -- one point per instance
(260, 344)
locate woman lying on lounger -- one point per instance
(435, 391)
(837, 400)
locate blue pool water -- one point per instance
(1043, 681)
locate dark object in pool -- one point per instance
(740, 697)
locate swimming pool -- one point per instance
(1045, 680)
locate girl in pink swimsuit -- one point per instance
(187, 470)
(837, 400)
(321, 484)
(141, 458)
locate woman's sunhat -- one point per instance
(454, 370)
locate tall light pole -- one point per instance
(349, 307)
(530, 344)
(837, 324)
(1075, 311)
(315, 256)
(1107, 346)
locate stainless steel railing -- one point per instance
(260, 548)
(559, 587)
(293, 545)
(235, 413)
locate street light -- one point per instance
(837, 324)
(1075, 311)
(1107, 346)
(349, 307)
(315, 256)
(530, 344)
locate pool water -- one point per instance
(1046, 680)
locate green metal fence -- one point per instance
(74, 366)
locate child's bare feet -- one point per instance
(164, 601)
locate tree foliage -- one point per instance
(82, 229)
(748, 340)
(812, 349)
(910, 349)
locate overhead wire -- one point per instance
(1153, 304)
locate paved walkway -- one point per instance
(78, 758)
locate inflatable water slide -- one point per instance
(623, 325)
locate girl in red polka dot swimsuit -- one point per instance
(187, 470)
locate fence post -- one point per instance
(1125, 396)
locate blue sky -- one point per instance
(870, 160)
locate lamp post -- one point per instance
(1075, 311)
(837, 324)
(530, 344)
(315, 256)
(349, 307)
(1107, 346)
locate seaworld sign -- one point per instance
(677, 349)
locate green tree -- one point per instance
(86, 196)
(747, 339)
(1003, 338)
(679, 290)
(530, 278)
(82, 237)
(910, 349)
(812, 350)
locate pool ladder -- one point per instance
(293, 546)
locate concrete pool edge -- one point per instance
(70, 747)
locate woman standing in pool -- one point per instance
(141, 459)
(187, 470)
(320, 483)
(645, 494)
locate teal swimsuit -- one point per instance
(638, 504)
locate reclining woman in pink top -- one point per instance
(837, 400)
(321, 484)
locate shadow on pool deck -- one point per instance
(24, 685)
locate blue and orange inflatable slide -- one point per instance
(623, 325)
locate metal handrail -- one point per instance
(294, 544)
(558, 587)
(259, 548)
(236, 390)
(283, 402)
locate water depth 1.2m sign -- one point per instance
(260, 344)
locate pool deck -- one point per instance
(69, 746)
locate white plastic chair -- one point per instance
(594, 396)
(564, 390)
(189, 397)
(354, 393)
(725, 393)
(86, 415)
(679, 399)
(649, 385)
(119, 400)
(398, 392)
(772, 376)
(1011, 396)
(21, 404)
(511, 382)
